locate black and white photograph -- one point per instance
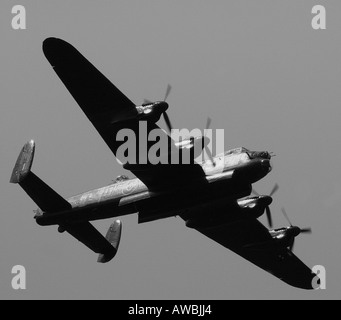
(167, 150)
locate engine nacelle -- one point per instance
(253, 211)
(249, 208)
(193, 145)
(151, 112)
(254, 207)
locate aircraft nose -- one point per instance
(267, 155)
(260, 155)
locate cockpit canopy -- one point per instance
(121, 178)
(251, 154)
(237, 151)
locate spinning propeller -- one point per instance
(267, 208)
(170, 127)
(296, 230)
(207, 150)
(165, 115)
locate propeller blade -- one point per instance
(207, 150)
(292, 245)
(306, 230)
(209, 154)
(168, 90)
(274, 190)
(286, 216)
(208, 123)
(168, 123)
(268, 215)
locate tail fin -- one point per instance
(113, 237)
(46, 198)
(24, 163)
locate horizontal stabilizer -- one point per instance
(113, 237)
(87, 234)
(44, 196)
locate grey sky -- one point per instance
(257, 68)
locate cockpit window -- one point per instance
(260, 154)
(121, 178)
(237, 151)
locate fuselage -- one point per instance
(230, 178)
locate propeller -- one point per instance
(165, 115)
(297, 230)
(286, 216)
(207, 150)
(268, 216)
(170, 127)
(306, 230)
(267, 208)
(168, 123)
(273, 191)
(168, 90)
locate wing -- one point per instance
(100, 100)
(110, 111)
(241, 236)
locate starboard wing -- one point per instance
(110, 111)
(100, 100)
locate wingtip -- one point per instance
(52, 40)
(48, 42)
(50, 46)
(58, 51)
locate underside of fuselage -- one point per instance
(132, 196)
(151, 206)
